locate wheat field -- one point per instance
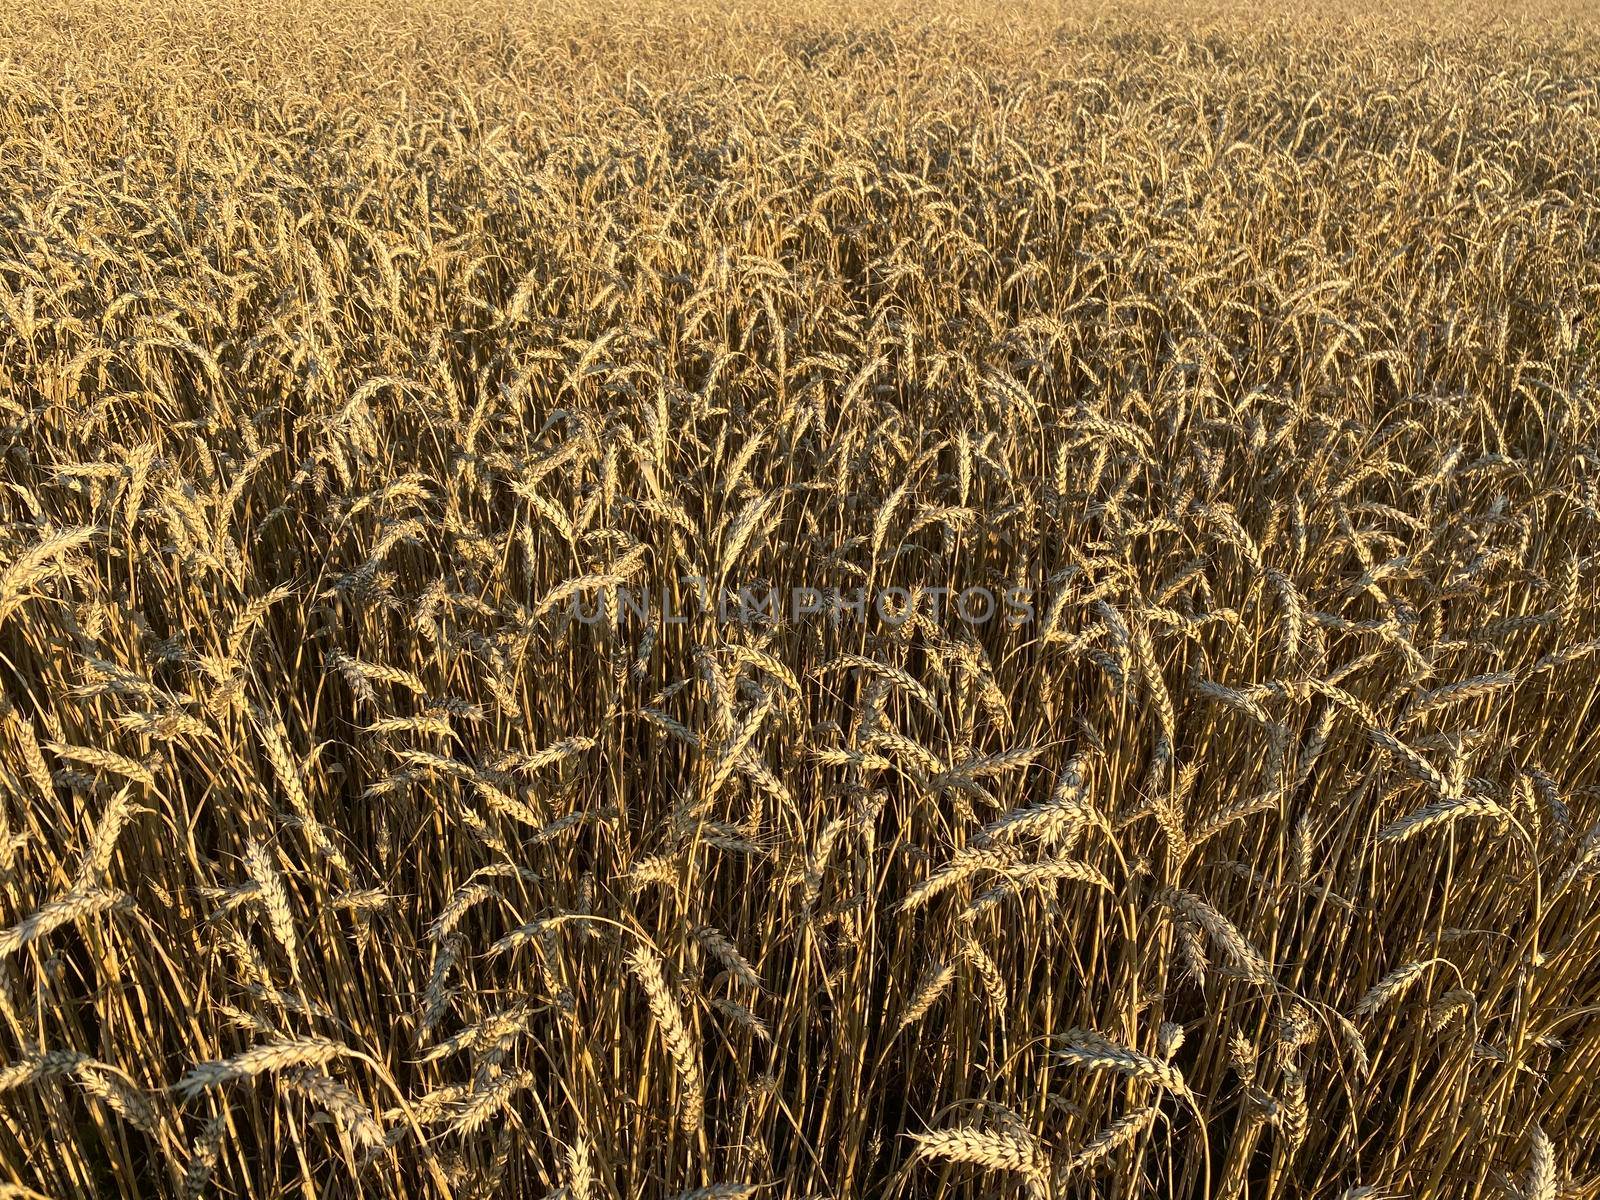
(393, 395)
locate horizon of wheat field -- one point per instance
(799, 601)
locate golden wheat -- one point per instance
(844, 600)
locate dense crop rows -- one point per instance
(383, 809)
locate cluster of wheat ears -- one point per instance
(348, 353)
